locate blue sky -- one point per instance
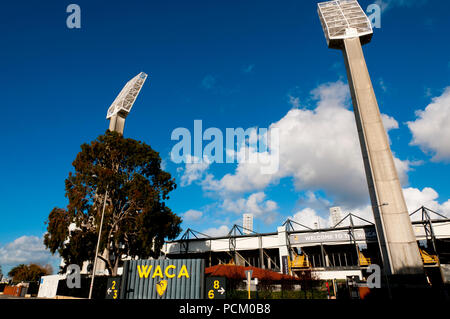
(230, 64)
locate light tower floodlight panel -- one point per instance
(344, 19)
(125, 100)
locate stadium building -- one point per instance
(346, 249)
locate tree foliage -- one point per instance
(31, 272)
(136, 220)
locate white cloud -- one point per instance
(194, 170)
(319, 148)
(389, 122)
(163, 164)
(431, 131)
(428, 197)
(310, 199)
(255, 204)
(294, 101)
(310, 218)
(246, 178)
(403, 167)
(428, 92)
(382, 85)
(192, 215)
(24, 250)
(217, 232)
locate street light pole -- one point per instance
(98, 244)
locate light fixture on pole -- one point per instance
(123, 103)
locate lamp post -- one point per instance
(98, 244)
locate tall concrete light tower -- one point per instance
(123, 103)
(347, 28)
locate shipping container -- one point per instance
(163, 279)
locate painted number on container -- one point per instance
(112, 290)
(215, 287)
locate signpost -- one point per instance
(333, 236)
(248, 275)
(216, 288)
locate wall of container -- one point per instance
(177, 278)
(13, 291)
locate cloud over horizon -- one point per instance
(320, 153)
(319, 149)
(25, 250)
(431, 131)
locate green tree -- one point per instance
(31, 272)
(136, 219)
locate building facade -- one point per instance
(329, 253)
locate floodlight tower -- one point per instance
(123, 103)
(117, 114)
(347, 28)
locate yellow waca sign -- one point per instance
(169, 272)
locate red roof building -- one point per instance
(238, 272)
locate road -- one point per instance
(14, 297)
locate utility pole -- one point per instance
(98, 244)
